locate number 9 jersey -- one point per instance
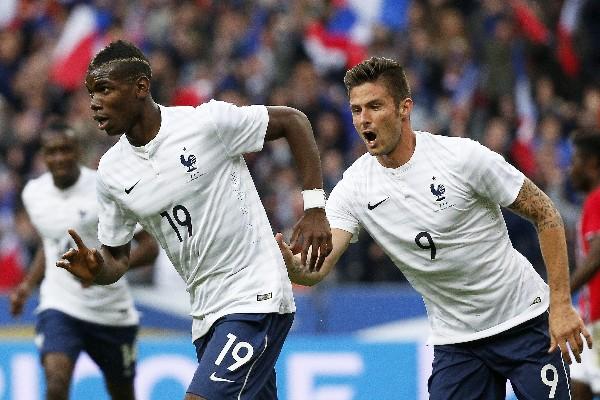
(438, 218)
(191, 189)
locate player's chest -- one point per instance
(431, 199)
(56, 214)
(181, 175)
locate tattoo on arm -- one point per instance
(533, 204)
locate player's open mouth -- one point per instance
(370, 137)
(102, 122)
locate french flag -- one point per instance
(565, 51)
(530, 24)
(82, 36)
(340, 42)
(522, 151)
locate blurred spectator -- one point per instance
(459, 57)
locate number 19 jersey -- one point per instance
(191, 189)
(438, 218)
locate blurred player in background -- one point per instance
(180, 172)
(100, 320)
(585, 176)
(433, 204)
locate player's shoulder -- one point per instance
(360, 167)
(450, 144)
(593, 198)
(205, 109)
(41, 184)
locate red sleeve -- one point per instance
(590, 217)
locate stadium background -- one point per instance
(519, 76)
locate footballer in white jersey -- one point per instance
(438, 218)
(433, 204)
(191, 189)
(73, 317)
(52, 212)
(180, 173)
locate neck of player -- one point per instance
(403, 150)
(146, 126)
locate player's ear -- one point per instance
(406, 106)
(142, 86)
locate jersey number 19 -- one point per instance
(187, 221)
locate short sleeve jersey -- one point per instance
(589, 227)
(438, 218)
(53, 211)
(191, 189)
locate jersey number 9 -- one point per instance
(430, 245)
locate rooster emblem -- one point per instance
(438, 192)
(189, 163)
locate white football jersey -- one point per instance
(191, 189)
(438, 218)
(53, 211)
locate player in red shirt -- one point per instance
(585, 175)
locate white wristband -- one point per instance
(314, 198)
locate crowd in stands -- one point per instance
(519, 76)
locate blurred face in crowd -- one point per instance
(115, 100)
(377, 118)
(581, 165)
(61, 155)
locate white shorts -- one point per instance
(588, 371)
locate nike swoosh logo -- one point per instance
(371, 207)
(127, 191)
(215, 378)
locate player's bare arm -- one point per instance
(300, 273)
(566, 325)
(145, 252)
(102, 267)
(589, 266)
(312, 230)
(35, 275)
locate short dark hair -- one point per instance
(587, 143)
(375, 68)
(58, 127)
(131, 61)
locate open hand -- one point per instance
(312, 232)
(566, 331)
(82, 262)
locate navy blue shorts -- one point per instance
(479, 369)
(111, 347)
(236, 358)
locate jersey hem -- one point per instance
(495, 330)
(201, 326)
(85, 316)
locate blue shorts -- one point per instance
(111, 347)
(479, 369)
(236, 357)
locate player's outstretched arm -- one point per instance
(312, 231)
(103, 267)
(300, 273)
(21, 293)
(566, 326)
